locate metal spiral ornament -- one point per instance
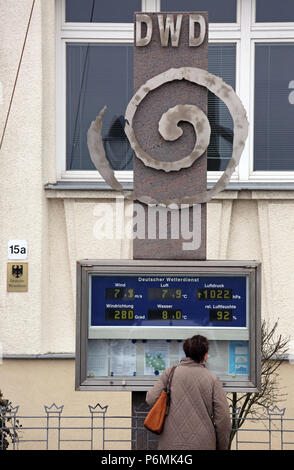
(168, 128)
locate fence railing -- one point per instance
(98, 430)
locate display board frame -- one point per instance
(87, 268)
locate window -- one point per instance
(218, 12)
(94, 69)
(268, 11)
(97, 11)
(250, 46)
(92, 81)
(222, 63)
(273, 107)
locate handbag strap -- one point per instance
(170, 378)
(168, 386)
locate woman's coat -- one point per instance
(199, 417)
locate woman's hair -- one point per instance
(196, 347)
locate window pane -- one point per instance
(98, 75)
(218, 12)
(95, 11)
(272, 11)
(274, 107)
(222, 63)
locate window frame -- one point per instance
(245, 33)
(268, 25)
(99, 33)
(264, 175)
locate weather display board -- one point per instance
(168, 300)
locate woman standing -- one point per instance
(199, 417)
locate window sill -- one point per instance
(87, 186)
(234, 190)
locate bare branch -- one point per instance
(273, 349)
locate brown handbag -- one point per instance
(154, 421)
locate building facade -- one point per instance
(77, 58)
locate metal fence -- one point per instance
(100, 431)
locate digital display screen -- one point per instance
(112, 293)
(119, 314)
(164, 314)
(168, 300)
(214, 294)
(220, 315)
(155, 293)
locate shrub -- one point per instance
(9, 425)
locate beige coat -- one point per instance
(196, 396)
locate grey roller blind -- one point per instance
(98, 75)
(221, 62)
(270, 11)
(96, 11)
(274, 107)
(223, 11)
